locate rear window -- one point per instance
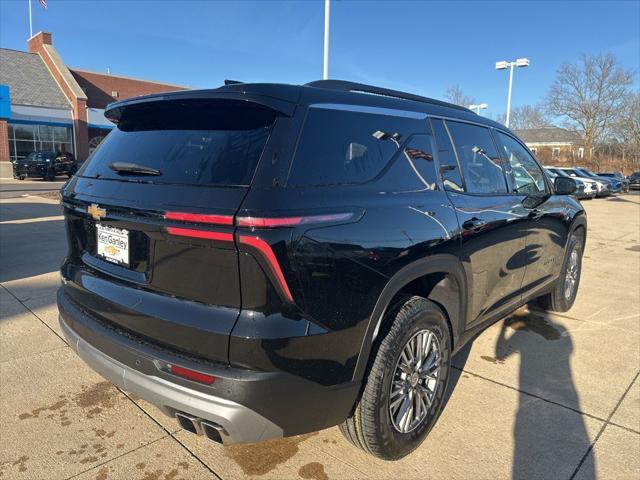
(196, 142)
(338, 147)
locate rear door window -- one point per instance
(450, 171)
(195, 142)
(481, 165)
(339, 147)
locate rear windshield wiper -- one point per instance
(124, 167)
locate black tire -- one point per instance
(371, 426)
(21, 177)
(557, 299)
(50, 175)
(72, 171)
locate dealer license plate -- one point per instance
(113, 244)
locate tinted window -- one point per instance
(419, 151)
(572, 173)
(526, 175)
(338, 147)
(481, 165)
(451, 178)
(585, 173)
(204, 142)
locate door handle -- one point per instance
(473, 223)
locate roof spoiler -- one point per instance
(113, 112)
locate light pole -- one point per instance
(520, 62)
(325, 65)
(479, 107)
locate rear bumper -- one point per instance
(239, 423)
(244, 406)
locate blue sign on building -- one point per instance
(5, 102)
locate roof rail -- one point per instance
(346, 86)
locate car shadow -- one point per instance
(544, 433)
(30, 245)
(26, 211)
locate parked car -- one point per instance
(585, 189)
(605, 185)
(616, 184)
(634, 181)
(624, 187)
(602, 188)
(45, 164)
(267, 260)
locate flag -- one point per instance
(43, 3)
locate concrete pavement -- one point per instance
(535, 396)
(11, 188)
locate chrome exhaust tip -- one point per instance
(189, 423)
(215, 432)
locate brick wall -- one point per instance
(4, 141)
(99, 87)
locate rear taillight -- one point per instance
(255, 242)
(275, 222)
(267, 253)
(200, 218)
(206, 234)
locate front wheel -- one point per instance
(406, 383)
(50, 176)
(564, 293)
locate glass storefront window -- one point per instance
(25, 132)
(24, 139)
(22, 149)
(47, 146)
(61, 134)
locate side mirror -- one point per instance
(564, 185)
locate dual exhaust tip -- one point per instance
(211, 430)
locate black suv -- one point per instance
(267, 260)
(45, 164)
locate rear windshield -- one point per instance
(195, 142)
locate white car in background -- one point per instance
(585, 188)
(603, 189)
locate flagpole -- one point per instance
(30, 21)
(325, 63)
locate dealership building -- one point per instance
(45, 105)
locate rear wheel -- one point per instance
(405, 385)
(563, 295)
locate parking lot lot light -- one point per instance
(478, 107)
(503, 65)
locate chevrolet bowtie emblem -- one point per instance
(96, 212)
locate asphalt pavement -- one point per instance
(550, 396)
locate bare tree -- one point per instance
(588, 95)
(526, 116)
(455, 95)
(625, 130)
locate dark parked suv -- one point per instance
(267, 260)
(45, 164)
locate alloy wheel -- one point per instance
(415, 381)
(571, 277)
